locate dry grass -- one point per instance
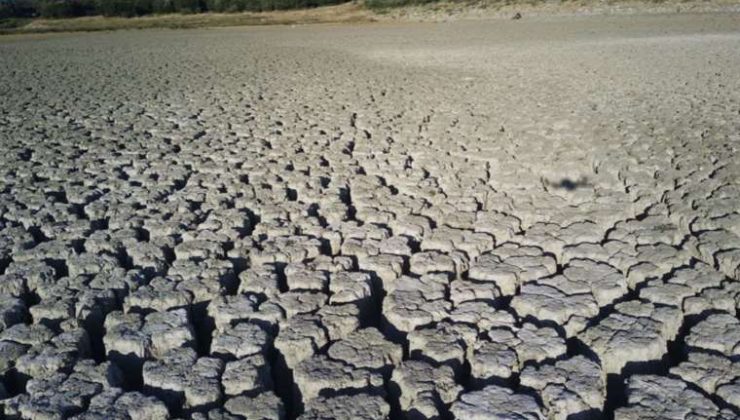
(362, 11)
(343, 13)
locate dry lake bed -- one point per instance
(494, 219)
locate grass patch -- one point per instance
(382, 6)
(12, 23)
(387, 4)
(348, 12)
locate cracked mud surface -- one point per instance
(531, 220)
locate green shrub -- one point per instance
(284, 4)
(6, 10)
(115, 7)
(252, 5)
(220, 6)
(129, 8)
(163, 6)
(229, 6)
(143, 7)
(64, 8)
(317, 3)
(187, 6)
(17, 8)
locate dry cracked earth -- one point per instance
(478, 220)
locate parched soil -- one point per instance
(533, 219)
